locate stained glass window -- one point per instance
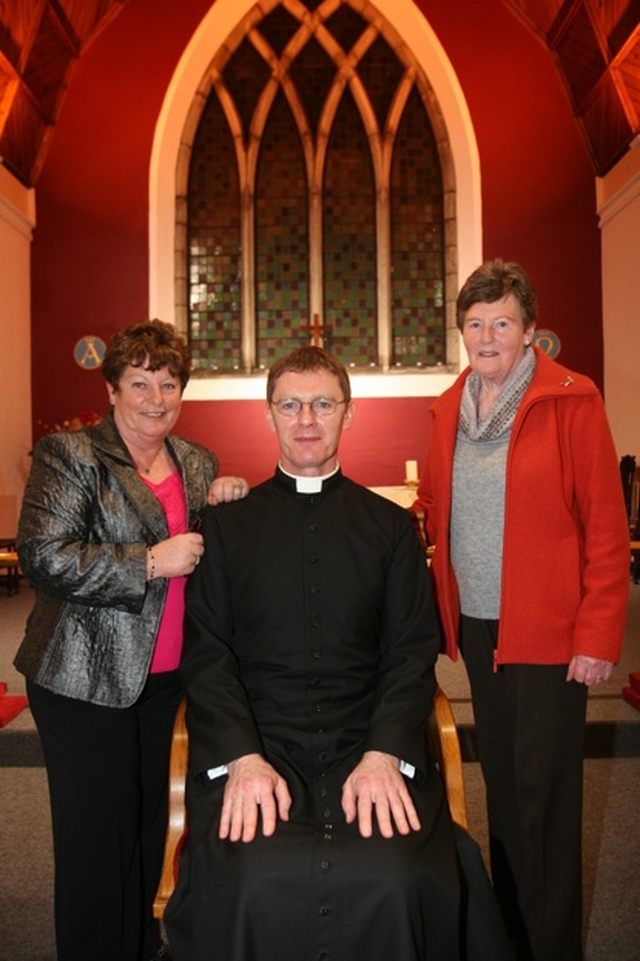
(316, 198)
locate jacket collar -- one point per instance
(550, 379)
(111, 450)
(554, 379)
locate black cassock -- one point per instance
(311, 638)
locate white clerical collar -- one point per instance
(310, 485)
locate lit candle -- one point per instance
(411, 471)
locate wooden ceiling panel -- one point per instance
(595, 46)
(23, 136)
(50, 59)
(620, 19)
(18, 20)
(581, 59)
(540, 15)
(629, 69)
(85, 17)
(606, 125)
(42, 41)
(9, 84)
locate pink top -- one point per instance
(168, 649)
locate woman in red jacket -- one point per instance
(523, 501)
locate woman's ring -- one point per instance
(196, 560)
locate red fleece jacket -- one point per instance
(565, 565)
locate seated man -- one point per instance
(318, 826)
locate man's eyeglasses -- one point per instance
(321, 406)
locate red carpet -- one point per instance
(630, 693)
(10, 704)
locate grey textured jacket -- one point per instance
(85, 524)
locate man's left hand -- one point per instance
(224, 489)
(376, 782)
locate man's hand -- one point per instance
(253, 785)
(589, 670)
(376, 782)
(224, 489)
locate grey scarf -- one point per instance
(499, 419)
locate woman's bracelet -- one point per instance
(152, 564)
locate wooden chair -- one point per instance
(444, 745)
(176, 822)
(10, 564)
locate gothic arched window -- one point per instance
(317, 186)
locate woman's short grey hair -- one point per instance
(492, 281)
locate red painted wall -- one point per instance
(383, 436)
(90, 250)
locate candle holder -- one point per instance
(411, 473)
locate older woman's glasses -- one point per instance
(321, 406)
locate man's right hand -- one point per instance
(254, 788)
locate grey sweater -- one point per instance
(477, 522)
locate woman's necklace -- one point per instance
(143, 468)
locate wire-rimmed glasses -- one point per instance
(321, 406)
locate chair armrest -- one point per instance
(176, 821)
(442, 738)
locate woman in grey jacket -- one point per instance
(106, 536)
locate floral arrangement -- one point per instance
(86, 418)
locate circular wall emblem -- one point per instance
(89, 351)
(548, 342)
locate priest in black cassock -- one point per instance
(317, 824)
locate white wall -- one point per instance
(618, 198)
(17, 220)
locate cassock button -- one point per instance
(326, 813)
(325, 865)
(317, 655)
(315, 622)
(315, 588)
(323, 792)
(313, 558)
(324, 910)
(318, 708)
(323, 956)
(313, 528)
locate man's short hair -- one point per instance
(301, 359)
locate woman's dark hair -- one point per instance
(151, 344)
(492, 281)
(301, 359)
